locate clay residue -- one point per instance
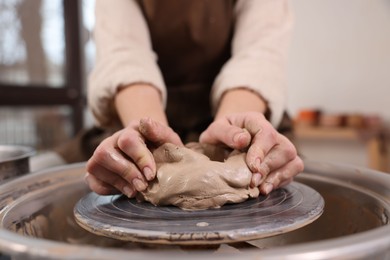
(199, 177)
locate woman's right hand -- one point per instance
(123, 162)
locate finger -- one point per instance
(132, 144)
(277, 177)
(114, 180)
(158, 133)
(278, 156)
(285, 182)
(98, 186)
(223, 132)
(262, 143)
(112, 161)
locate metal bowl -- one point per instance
(36, 221)
(14, 161)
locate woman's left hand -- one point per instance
(271, 157)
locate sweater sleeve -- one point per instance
(124, 56)
(259, 52)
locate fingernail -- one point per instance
(257, 164)
(139, 185)
(129, 192)
(256, 177)
(148, 173)
(237, 137)
(201, 137)
(268, 187)
(86, 177)
(114, 157)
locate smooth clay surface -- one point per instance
(199, 177)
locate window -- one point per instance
(41, 71)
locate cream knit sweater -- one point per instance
(125, 55)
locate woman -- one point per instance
(160, 63)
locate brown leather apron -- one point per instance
(192, 41)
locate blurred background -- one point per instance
(46, 52)
(338, 76)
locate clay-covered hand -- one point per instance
(271, 157)
(123, 162)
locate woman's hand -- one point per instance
(123, 163)
(271, 156)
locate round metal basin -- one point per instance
(14, 161)
(36, 221)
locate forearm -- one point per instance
(259, 53)
(240, 100)
(138, 101)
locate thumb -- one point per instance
(223, 133)
(158, 133)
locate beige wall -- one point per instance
(340, 56)
(340, 62)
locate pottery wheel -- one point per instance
(283, 210)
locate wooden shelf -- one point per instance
(373, 139)
(336, 133)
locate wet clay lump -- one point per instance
(197, 177)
